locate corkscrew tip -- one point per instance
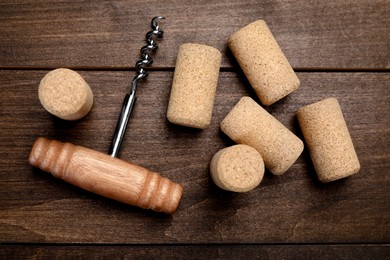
(155, 26)
(156, 18)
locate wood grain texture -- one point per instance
(293, 208)
(289, 217)
(351, 34)
(197, 252)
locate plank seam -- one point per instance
(385, 244)
(222, 69)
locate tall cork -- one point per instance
(248, 123)
(194, 85)
(238, 168)
(328, 139)
(65, 94)
(263, 62)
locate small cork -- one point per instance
(194, 85)
(239, 168)
(263, 62)
(248, 123)
(329, 142)
(65, 94)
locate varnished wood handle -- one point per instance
(106, 176)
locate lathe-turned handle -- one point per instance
(106, 175)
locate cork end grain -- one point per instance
(248, 123)
(65, 94)
(328, 140)
(194, 85)
(239, 168)
(263, 62)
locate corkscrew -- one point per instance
(107, 175)
(129, 100)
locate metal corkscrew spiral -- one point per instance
(128, 103)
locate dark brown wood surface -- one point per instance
(313, 34)
(196, 251)
(339, 48)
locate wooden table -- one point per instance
(338, 48)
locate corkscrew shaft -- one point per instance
(129, 101)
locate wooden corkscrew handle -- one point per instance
(106, 175)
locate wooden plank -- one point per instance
(292, 208)
(352, 34)
(197, 251)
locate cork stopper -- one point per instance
(238, 168)
(65, 94)
(263, 62)
(328, 139)
(194, 85)
(248, 123)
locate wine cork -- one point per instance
(239, 168)
(263, 62)
(65, 94)
(329, 142)
(194, 85)
(248, 123)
